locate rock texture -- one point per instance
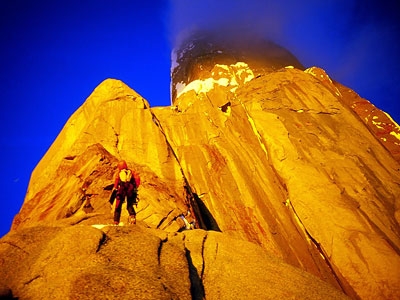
(135, 262)
(294, 195)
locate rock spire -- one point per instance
(288, 183)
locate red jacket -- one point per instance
(135, 176)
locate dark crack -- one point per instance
(380, 231)
(163, 219)
(159, 250)
(115, 133)
(116, 139)
(254, 128)
(319, 248)
(76, 219)
(196, 277)
(207, 219)
(14, 245)
(196, 283)
(70, 157)
(202, 256)
(191, 204)
(32, 279)
(102, 242)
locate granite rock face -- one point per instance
(293, 193)
(81, 260)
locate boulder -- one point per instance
(59, 261)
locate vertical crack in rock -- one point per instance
(115, 133)
(255, 130)
(196, 284)
(102, 242)
(216, 250)
(192, 205)
(116, 140)
(145, 104)
(203, 265)
(159, 249)
(196, 277)
(317, 245)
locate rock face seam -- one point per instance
(191, 204)
(164, 218)
(203, 266)
(196, 284)
(14, 245)
(377, 228)
(32, 279)
(102, 242)
(319, 247)
(254, 128)
(159, 249)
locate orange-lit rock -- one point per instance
(271, 156)
(83, 262)
(385, 129)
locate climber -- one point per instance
(126, 183)
(188, 224)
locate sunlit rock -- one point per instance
(83, 262)
(294, 193)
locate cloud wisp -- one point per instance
(355, 43)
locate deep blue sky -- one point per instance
(54, 53)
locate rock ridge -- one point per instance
(275, 167)
(165, 266)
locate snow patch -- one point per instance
(233, 81)
(395, 134)
(179, 87)
(377, 124)
(393, 121)
(380, 125)
(100, 226)
(240, 64)
(225, 67)
(239, 72)
(202, 86)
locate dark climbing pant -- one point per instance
(127, 191)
